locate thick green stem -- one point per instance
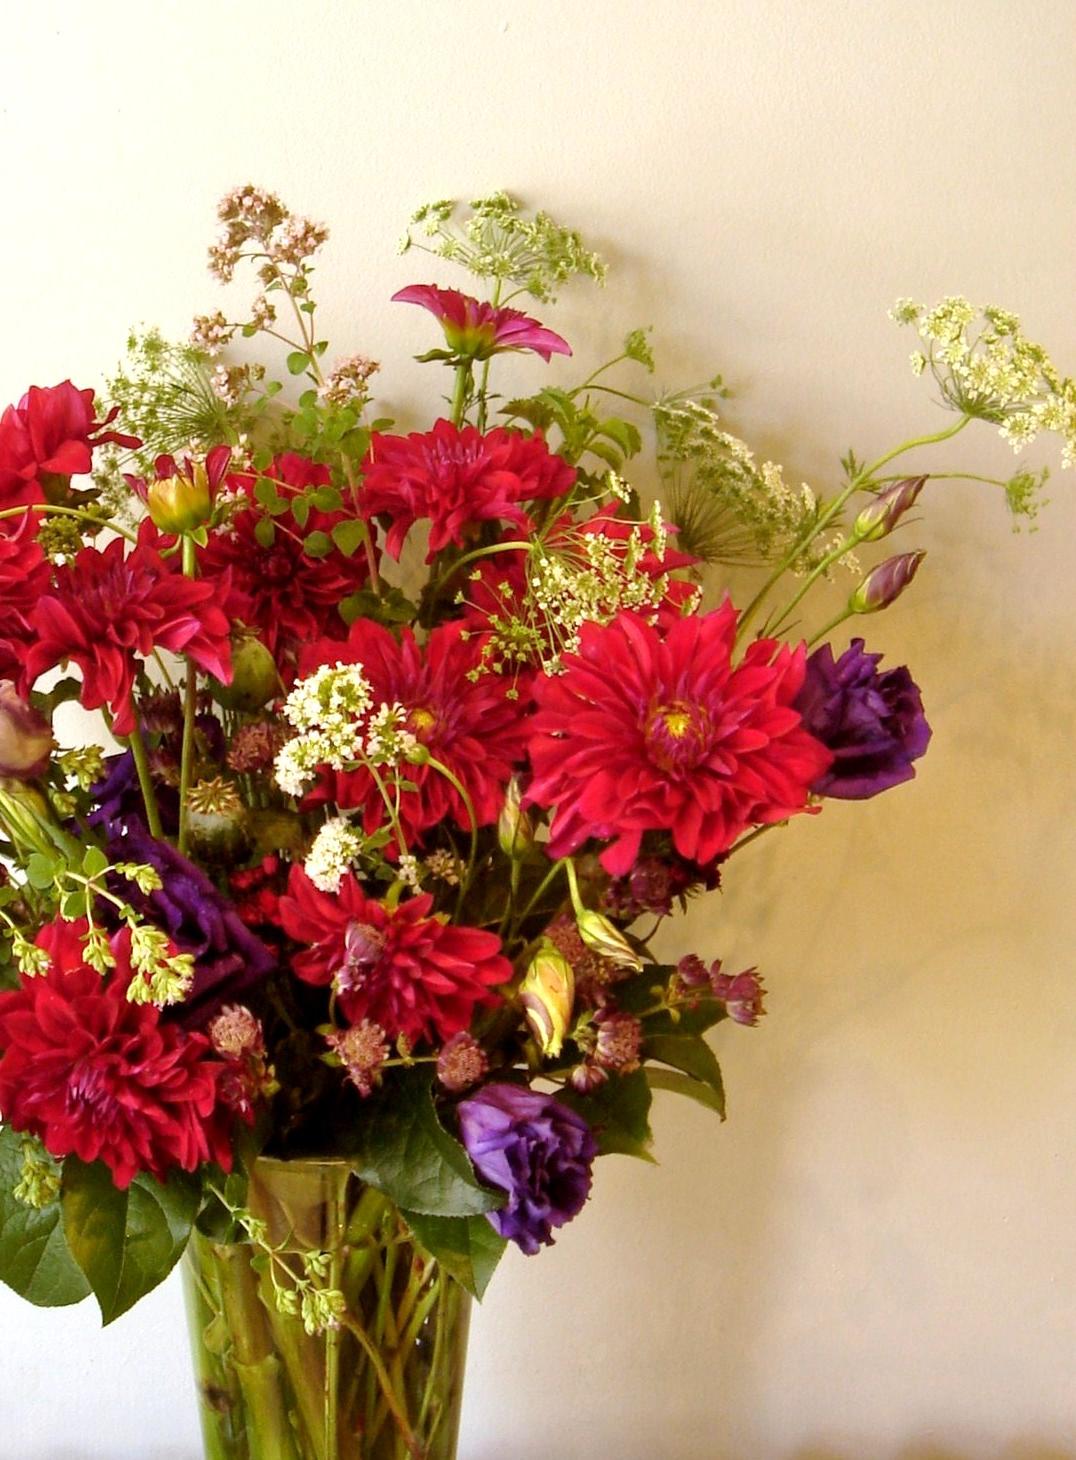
(190, 711)
(460, 391)
(256, 1364)
(145, 779)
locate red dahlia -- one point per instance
(469, 725)
(652, 729)
(51, 433)
(24, 577)
(407, 972)
(455, 477)
(108, 609)
(280, 591)
(100, 1078)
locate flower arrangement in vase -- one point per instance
(333, 965)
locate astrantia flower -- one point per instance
(468, 724)
(110, 608)
(48, 437)
(475, 329)
(872, 721)
(657, 731)
(456, 477)
(96, 1076)
(535, 1150)
(24, 578)
(280, 591)
(410, 973)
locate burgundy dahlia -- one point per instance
(652, 729)
(456, 477)
(537, 1151)
(871, 721)
(110, 608)
(408, 972)
(96, 1076)
(24, 578)
(48, 438)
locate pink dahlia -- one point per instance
(407, 972)
(280, 591)
(110, 608)
(467, 723)
(24, 578)
(98, 1077)
(456, 477)
(475, 330)
(50, 434)
(652, 729)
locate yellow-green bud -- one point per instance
(515, 831)
(547, 994)
(601, 936)
(181, 503)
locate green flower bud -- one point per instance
(602, 936)
(255, 680)
(547, 994)
(515, 831)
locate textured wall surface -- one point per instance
(875, 1258)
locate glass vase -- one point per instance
(383, 1380)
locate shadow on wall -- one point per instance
(1018, 1450)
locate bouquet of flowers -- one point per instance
(334, 963)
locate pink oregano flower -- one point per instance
(475, 329)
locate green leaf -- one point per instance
(34, 1257)
(41, 871)
(317, 544)
(391, 608)
(265, 532)
(638, 993)
(662, 1079)
(94, 862)
(265, 492)
(623, 434)
(403, 1150)
(349, 535)
(690, 1054)
(126, 1242)
(468, 1248)
(605, 453)
(298, 361)
(300, 510)
(327, 499)
(617, 1112)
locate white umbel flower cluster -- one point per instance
(329, 710)
(334, 851)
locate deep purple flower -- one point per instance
(872, 722)
(118, 798)
(228, 959)
(535, 1149)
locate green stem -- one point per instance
(460, 391)
(190, 711)
(461, 791)
(834, 555)
(100, 523)
(484, 381)
(845, 613)
(256, 1365)
(333, 1334)
(536, 895)
(145, 780)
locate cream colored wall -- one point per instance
(874, 1259)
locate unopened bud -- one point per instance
(884, 584)
(255, 680)
(515, 831)
(180, 503)
(25, 736)
(602, 936)
(547, 994)
(879, 518)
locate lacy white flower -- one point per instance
(335, 848)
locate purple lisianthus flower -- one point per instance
(873, 722)
(535, 1149)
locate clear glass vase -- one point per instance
(383, 1382)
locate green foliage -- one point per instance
(612, 440)
(126, 1242)
(35, 1259)
(618, 1113)
(468, 1248)
(401, 1148)
(694, 1070)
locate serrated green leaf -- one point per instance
(265, 532)
(126, 1242)
(606, 453)
(618, 1113)
(34, 1257)
(680, 1084)
(297, 362)
(468, 1248)
(623, 435)
(403, 1150)
(349, 535)
(317, 545)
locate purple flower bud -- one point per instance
(741, 993)
(882, 515)
(884, 584)
(25, 736)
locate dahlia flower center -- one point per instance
(677, 735)
(363, 947)
(111, 594)
(89, 1088)
(422, 720)
(278, 566)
